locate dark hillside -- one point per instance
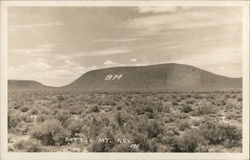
(162, 77)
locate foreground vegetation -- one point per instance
(50, 121)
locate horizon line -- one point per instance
(119, 66)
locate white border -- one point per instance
(146, 156)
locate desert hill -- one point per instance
(26, 84)
(161, 77)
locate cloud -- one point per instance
(157, 9)
(188, 18)
(118, 40)
(14, 27)
(40, 64)
(133, 60)
(109, 62)
(105, 52)
(29, 51)
(108, 52)
(56, 75)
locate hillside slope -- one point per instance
(26, 85)
(162, 77)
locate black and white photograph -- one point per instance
(165, 79)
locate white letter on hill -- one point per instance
(108, 77)
(118, 77)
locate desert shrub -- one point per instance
(239, 99)
(196, 122)
(96, 147)
(190, 102)
(42, 117)
(10, 149)
(106, 145)
(183, 125)
(186, 108)
(167, 108)
(175, 103)
(118, 108)
(94, 109)
(163, 148)
(33, 111)
(32, 146)
(60, 98)
(75, 126)
(95, 126)
(19, 145)
(12, 121)
(76, 110)
(204, 110)
(223, 102)
(211, 132)
(22, 128)
(153, 145)
(45, 111)
(190, 141)
(159, 107)
(142, 140)
(122, 147)
(121, 118)
(50, 132)
(17, 106)
(231, 135)
(173, 96)
(154, 128)
(171, 131)
(62, 115)
(10, 139)
(148, 108)
(24, 109)
(216, 133)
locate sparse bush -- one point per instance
(32, 146)
(60, 98)
(183, 125)
(75, 126)
(142, 141)
(239, 99)
(19, 145)
(204, 110)
(190, 141)
(106, 145)
(24, 109)
(175, 103)
(186, 109)
(62, 115)
(154, 129)
(50, 132)
(211, 132)
(122, 148)
(231, 135)
(34, 111)
(94, 108)
(226, 134)
(196, 122)
(118, 108)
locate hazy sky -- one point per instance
(56, 45)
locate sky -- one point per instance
(56, 45)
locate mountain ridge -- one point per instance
(158, 77)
